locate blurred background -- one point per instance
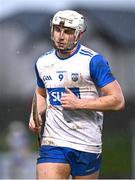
(24, 36)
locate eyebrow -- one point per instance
(64, 27)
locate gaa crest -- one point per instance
(75, 76)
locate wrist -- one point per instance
(79, 104)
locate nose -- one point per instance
(61, 34)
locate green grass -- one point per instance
(117, 156)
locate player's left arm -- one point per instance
(112, 99)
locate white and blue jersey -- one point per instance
(84, 73)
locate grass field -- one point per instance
(117, 156)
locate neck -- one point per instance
(66, 53)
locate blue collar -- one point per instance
(75, 52)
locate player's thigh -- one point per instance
(94, 175)
(53, 171)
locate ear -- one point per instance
(80, 35)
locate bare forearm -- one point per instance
(40, 100)
(112, 100)
(38, 108)
(104, 103)
(41, 103)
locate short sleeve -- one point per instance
(39, 80)
(100, 71)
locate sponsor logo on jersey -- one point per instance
(46, 78)
(55, 95)
(74, 76)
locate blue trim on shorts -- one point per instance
(81, 163)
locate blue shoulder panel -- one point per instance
(39, 80)
(100, 71)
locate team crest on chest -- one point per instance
(74, 77)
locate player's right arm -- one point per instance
(40, 101)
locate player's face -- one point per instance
(63, 37)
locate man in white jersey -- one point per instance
(74, 86)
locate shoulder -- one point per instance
(87, 51)
(99, 61)
(44, 58)
(93, 56)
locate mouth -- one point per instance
(60, 45)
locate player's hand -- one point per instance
(32, 126)
(69, 100)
